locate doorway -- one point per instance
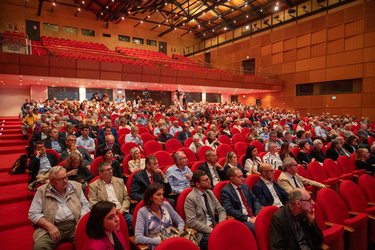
(33, 30)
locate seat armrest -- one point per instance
(137, 246)
(346, 228)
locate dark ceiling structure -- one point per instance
(204, 18)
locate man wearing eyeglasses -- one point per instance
(268, 191)
(113, 189)
(200, 208)
(294, 226)
(289, 179)
(71, 147)
(56, 209)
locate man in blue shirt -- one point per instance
(85, 141)
(179, 175)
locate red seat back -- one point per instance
(224, 139)
(262, 226)
(177, 243)
(128, 146)
(240, 236)
(345, 164)
(129, 181)
(147, 137)
(258, 145)
(180, 205)
(94, 165)
(276, 174)
(217, 189)
(151, 147)
(333, 207)
(251, 180)
(353, 197)
(123, 131)
(222, 150)
(238, 138)
(201, 154)
(331, 168)
(196, 166)
(295, 151)
(240, 148)
(317, 172)
(367, 185)
(164, 159)
(187, 142)
(51, 151)
(172, 145)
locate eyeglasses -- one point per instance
(61, 179)
(309, 200)
(205, 180)
(72, 140)
(107, 170)
(271, 171)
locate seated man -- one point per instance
(107, 132)
(108, 123)
(294, 226)
(184, 133)
(273, 138)
(38, 136)
(110, 142)
(143, 178)
(28, 123)
(289, 179)
(268, 191)
(212, 168)
(56, 210)
(54, 142)
(142, 120)
(40, 163)
(113, 189)
(200, 208)
(69, 130)
(179, 175)
(72, 120)
(85, 141)
(288, 137)
(134, 136)
(236, 195)
(71, 147)
(175, 128)
(164, 136)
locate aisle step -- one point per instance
(6, 126)
(7, 179)
(10, 131)
(11, 137)
(12, 150)
(15, 142)
(15, 215)
(15, 193)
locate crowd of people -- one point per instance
(74, 133)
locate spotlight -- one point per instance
(265, 22)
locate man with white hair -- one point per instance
(56, 209)
(134, 136)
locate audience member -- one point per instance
(231, 161)
(212, 168)
(317, 152)
(179, 175)
(273, 157)
(303, 155)
(361, 160)
(136, 163)
(134, 136)
(85, 141)
(76, 171)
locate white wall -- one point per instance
(12, 98)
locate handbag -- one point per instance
(175, 232)
(19, 166)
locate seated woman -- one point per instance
(251, 161)
(361, 157)
(317, 151)
(196, 143)
(136, 163)
(285, 152)
(226, 130)
(272, 157)
(351, 144)
(107, 155)
(76, 171)
(103, 228)
(199, 132)
(212, 141)
(231, 161)
(155, 218)
(303, 155)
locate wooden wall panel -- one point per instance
(290, 55)
(303, 40)
(318, 75)
(354, 42)
(303, 53)
(353, 56)
(265, 60)
(369, 54)
(354, 13)
(320, 49)
(289, 67)
(370, 39)
(255, 42)
(277, 47)
(368, 84)
(369, 24)
(106, 75)
(277, 35)
(354, 28)
(254, 52)
(265, 39)
(335, 46)
(335, 60)
(368, 100)
(277, 58)
(303, 65)
(317, 101)
(318, 62)
(304, 27)
(318, 23)
(266, 50)
(369, 8)
(302, 77)
(319, 36)
(369, 69)
(335, 32)
(335, 18)
(290, 43)
(290, 32)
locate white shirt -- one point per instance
(214, 174)
(276, 200)
(208, 218)
(111, 194)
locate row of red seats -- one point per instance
(14, 37)
(49, 41)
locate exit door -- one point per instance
(163, 47)
(33, 30)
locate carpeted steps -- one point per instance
(16, 142)
(7, 162)
(7, 179)
(18, 238)
(16, 215)
(12, 150)
(5, 137)
(15, 193)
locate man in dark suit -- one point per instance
(41, 162)
(142, 179)
(212, 168)
(110, 142)
(294, 226)
(268, 192)
(108, 123)
(184, 134)
(54, 142)
(69, 130)
(236, 195)
(71, 147)
(38, 136)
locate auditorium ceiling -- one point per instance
(26, 80)
(203, 18)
